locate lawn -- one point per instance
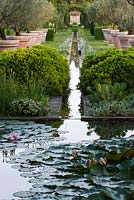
(61, 39)
(92, 45)
(87, 41)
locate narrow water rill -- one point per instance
(75, 129)
(76, 160)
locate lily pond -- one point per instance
(71, 161)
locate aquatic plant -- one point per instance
(103, 169)
(13, 137)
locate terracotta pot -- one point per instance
(110, 39)
(9, 45)
(105, 33)
(116, 40)
(44, 35)
(124, 41)
(131, 42)
(33, 40)
(40, 35)
(115, 37)
(24, 40)
(130, 37)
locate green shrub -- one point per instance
(113, 108)
(27, 107)
(92, 28)
(74, 27)
(98, 33)
(10, 90)
(92, 59)
(107, 92)
(50, 34)
(38, 63)
(115, 68)
(111, 100)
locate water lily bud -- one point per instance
(75, 154)
(103, 161)
(88, 163)
(56, 134)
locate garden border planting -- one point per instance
(87, 117)
(53, 113)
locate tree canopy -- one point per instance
(116, 12)
(20, 14)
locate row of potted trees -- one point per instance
(119, 39)
(24, 40)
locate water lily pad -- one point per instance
(66, 191)
(41, 190)
(30, 175)
(2, 125)
(24, 194)
(100, 196)
(16, 167)
(35, 181)
(25, 169)
(56, 175)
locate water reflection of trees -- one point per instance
(7, 155)
(109, 129)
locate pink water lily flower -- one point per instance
(14, 137)
(103, 162)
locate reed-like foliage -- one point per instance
(11, 90)
(111, 100)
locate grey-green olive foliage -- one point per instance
(29, 14)
(116, 12)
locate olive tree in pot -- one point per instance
(18, 15)
(118, 13)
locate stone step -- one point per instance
(55, 106)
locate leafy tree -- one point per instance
(7, 8)
(116, 12)
(20, 14)
(35, 14)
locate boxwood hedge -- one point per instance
(112, 65)
(92, 59)
(38, 62)
(50, 34)
(98, 33)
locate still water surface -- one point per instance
(76, 129)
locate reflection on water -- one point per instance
(75, 129)
(74, 98)
(110, 129)
(7, 154)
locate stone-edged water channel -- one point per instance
(65, 162)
